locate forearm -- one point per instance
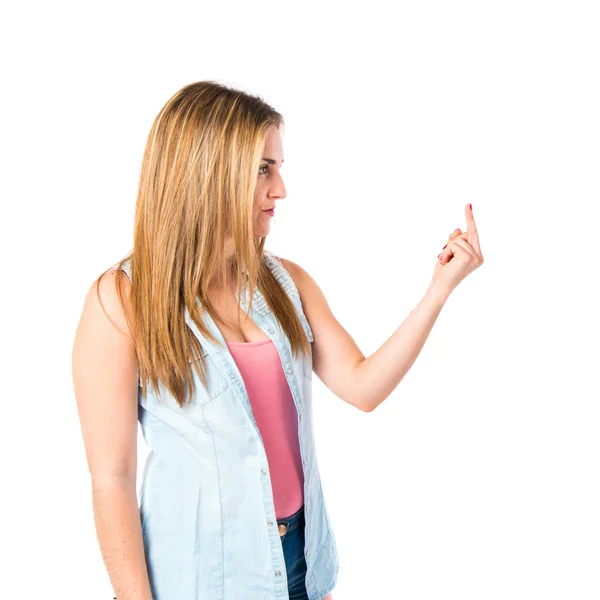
(118, 527)
(379, 374)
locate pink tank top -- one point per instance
(277, 419)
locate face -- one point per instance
(269, 184)
(269, 189)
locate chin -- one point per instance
(262, 232)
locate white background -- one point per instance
(477, 478)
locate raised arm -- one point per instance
(105, 379)
(338, 362)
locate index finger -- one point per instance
(472, 229)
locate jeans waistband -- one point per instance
(292, 522)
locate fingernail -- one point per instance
(444, 246)
(470, 206)
(439, 254)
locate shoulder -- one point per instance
(297, 273)
(306, 285)
(103, 300)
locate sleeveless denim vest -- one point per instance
(207, 513)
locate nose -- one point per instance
(278, 189)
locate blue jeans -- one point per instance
(292, 541)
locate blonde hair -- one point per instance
(196, 189)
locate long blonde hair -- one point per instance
(196, 188)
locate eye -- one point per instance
(263, 167)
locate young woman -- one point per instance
(210, 341)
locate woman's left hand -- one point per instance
(460, 257)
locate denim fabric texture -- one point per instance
(292, 539)
(207, 514)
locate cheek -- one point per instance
(258, 200)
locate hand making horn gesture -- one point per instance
(460, 256)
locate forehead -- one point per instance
(273, 142)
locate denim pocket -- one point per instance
(217, 383)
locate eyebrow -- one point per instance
(271, 161)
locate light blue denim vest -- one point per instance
(207, 513)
